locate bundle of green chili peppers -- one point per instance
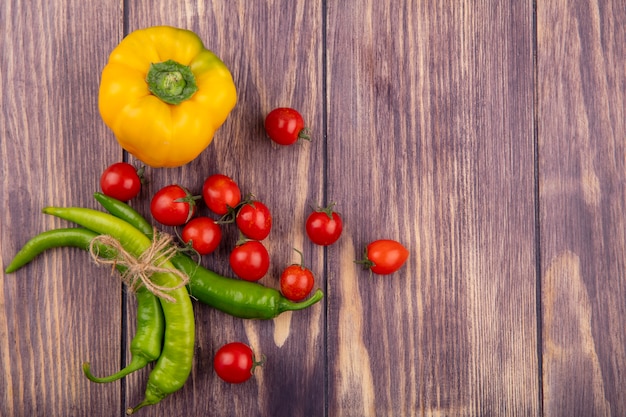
(165, 328)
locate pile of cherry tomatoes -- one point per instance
(174, 205)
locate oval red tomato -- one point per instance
(234, 362)
(121, 181)
(203, 233)
(220, 192)
(250, 260)
(173, 205)
(324, 226)
(254, 220)
(384, 256)
(285, 126)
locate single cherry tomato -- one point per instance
(173, 205)
(296, 281)
(250, 260)
(235, 363)
(220, 193)
(384, 256)
(203, 233)
(121, 181)
(285, 126)
(324, 226)
(254, 220)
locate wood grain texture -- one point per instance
(488, 137)
(430, 143)
(51, 312)
(582, 160)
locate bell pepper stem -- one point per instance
(172, 82)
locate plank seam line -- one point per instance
(324, 46)
(538, 269)
(124, 295)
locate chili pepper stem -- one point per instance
(136, 363)
(152, 396)
(148, 400)
(287, 305)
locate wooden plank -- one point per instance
(582, 148)
(429, 105)
(58, 311)
(430, 142)
(274, 52)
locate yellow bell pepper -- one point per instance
(164, 95)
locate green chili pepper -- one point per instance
(174, 365)
(239, 298)
(125, 212)
(146, 344)
(72, 237)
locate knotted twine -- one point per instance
(138, 271)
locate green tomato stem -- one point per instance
(305, 134)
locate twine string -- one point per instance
(138, 271)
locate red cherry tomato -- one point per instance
(254, 220)
(285, 126)
(234, 362)
(250, 260)
(173, 205)
(324, 226)
(121, 181)
(384, 256)
(296, 281)
(220, 193)
(203, 233)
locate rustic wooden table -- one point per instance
(488, 137)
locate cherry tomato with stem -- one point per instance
(221, 193)
(285, 126)
(384, 256)
(254, 220)
(203, 234)
(296, 281)
(324, 226)
(121, 181)
(249, 260)
(235, 363)
(173, 205)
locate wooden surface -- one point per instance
(488, 137)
